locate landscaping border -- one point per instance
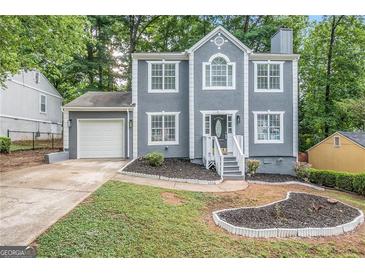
(286, 183)
(159, 177)
(287, 232)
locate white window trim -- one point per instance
(281, 63)
(218, 112)
(281, 141)
(40, 103)
(157, 143)
(334, 141)
(150, 90)
(233, 64)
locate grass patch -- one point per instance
(126, 220)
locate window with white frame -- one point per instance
(163, 128)
(268, 76)
(207, 124)
(163, 76)
(229, 123)
(269, 127)
(218, 73)
(42, 103)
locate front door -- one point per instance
(219, 129)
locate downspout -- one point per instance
(128, 134)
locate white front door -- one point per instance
(100, 138)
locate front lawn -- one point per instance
(126, 220)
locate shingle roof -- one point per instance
(102, 99)
(358, 137)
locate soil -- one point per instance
(272, 178)
(22, 159)
(299, 211)
(174, 168)
(171, 198)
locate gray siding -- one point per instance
(157, 102)
(274, 102)
(74, 115)
(276, 165)
(216, 99)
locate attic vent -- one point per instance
(37, 77)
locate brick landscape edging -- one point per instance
(180, 180)
(287, 232)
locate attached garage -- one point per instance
(101, 138)
(99, 125)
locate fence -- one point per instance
(31, 140)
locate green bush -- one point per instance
(341, 180)
(301, 170)
(252, 166)
(5, 143)
(155, 158)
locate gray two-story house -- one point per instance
(217, 103)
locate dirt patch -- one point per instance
(272, 178)
(171, 198)
(22, 159)
(174, 168)
(299, 211)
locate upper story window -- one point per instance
(219, 73)
(269, 127)
(163, 76)
(42, 103)
(37, 77)
(268, 76)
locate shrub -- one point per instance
(154, 158)
(252, 166)
(301, 170)
(344, 180)
(5, 143)
(358, 184)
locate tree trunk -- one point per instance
(246, 23)
(327, 99)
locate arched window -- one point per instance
(219, 73)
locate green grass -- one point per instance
(19, 147)
(126, 220)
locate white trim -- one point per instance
(209, 63)
(37, 89)
(163, 113)
(28, 119)
(96, 119)
(245, 105)
(337, 132)
(135, 102)
(232, 112)
(191, 107)
(295, 109)
(98, 108)
(65, 130)
(273, 56)
(219, 112)
(163, 90)
(269, 62)
(160, 55)
(225, 32)
(281, 141)
(127, 134)
(40, 104)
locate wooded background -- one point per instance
(79, 53)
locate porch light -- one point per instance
(130, 124)
(69, 123)
(238, 119)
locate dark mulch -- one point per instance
(299, 211)
(174, 168)
(272, 178)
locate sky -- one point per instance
(316, 18)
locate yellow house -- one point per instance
(342, 151)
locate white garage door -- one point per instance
(101, 138)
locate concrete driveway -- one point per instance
(32, 199)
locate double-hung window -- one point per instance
(219, 73)
(268, 76)
(163, 128)
(269, 127)
(42, 103)
(163, 76)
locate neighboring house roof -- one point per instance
(102, 99)
(356, 137)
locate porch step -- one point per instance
(231, 168)
(230, 163)
(229, 158)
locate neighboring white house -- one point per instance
(29, 103)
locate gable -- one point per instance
(329, 142)
(212, 38)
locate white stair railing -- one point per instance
(207, 151)
(217, 155)
(238, 153)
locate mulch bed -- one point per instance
(299, 211)
(272, 178)
(173, 168)
(22, 159)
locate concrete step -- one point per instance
(233, 177)
(232, 172)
